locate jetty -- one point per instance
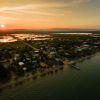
(76, 67)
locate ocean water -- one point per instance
(66, 84)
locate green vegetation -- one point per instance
(18, 58)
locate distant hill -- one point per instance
(69, 29)
(53, 30)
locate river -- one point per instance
(66, 84)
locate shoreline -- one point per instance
(28, 76)
(39, 73)
(69, 62)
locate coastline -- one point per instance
(29, 76)
(69, 62)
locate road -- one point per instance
(24, 42)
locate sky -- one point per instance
(46, 14)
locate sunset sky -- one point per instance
(44, 14)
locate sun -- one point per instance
(4, 40)
(2, 26)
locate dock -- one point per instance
(76, 67)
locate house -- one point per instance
(20, 63)
(6, 65)
(79, 49)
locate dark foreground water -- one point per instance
(66, 84)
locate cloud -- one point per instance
(45, 4)
(32, 9)
(5, 18)
(35, 7)
(16, 8)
